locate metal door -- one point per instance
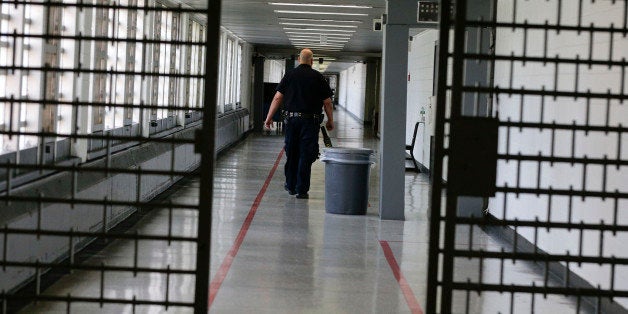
(109, 164)
(534, 151)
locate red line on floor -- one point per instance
(220, 276)
(403, 284)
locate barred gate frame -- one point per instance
(203, 141)
(450, 137)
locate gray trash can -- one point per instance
(347, 180)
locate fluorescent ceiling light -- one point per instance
(315, 45)
(318, 30)
(318, 45)
(318, 48)
(318, 34)
(320, 5)
(319, 13)
(318, 37)
(319, 20)
(300, 46)
(344, 39)
(319, 41)
(323, 25)
(324, 49)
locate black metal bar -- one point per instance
(451, 206)
(541, 224)
(538, 26)
(436, 187)
(528, 91)
(537, 289)
(82, 5)
(555, 60)
(570, 160)
(565, 192)
(104, 300)
(152, 74)
(567, 127)
(539, 257)
(166, 140)
(84, 201)
(87, 267)
(206, 146)
(111, 170)
(100, 235)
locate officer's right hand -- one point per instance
(268, 123)
(329, 125)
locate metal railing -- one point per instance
(103, 54)
(533, 140)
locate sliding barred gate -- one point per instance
(102, 104)
(531, 144)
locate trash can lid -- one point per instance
(348, 150)
(348, 155)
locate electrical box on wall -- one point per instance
(377, 25)
(427, 12)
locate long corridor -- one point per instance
(273, 253)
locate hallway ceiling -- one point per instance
(278, 27)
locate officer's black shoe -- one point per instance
(303, 195)
(291, 192)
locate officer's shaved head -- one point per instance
(306, 56)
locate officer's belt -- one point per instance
(289, 114)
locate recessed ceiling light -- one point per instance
(347, 6)
(319, 20)
(323, 25)
(319, 13)
(318, 30)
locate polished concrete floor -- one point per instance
(290, 256)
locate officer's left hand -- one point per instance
(268, 123)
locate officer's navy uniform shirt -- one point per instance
(304, 90)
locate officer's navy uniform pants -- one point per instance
(301, 151)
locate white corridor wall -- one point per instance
(596, 79)
(353, 90)
(419, 95)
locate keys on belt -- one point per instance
(289, 114)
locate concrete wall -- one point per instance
(353, 84)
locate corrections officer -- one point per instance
(305, 93)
